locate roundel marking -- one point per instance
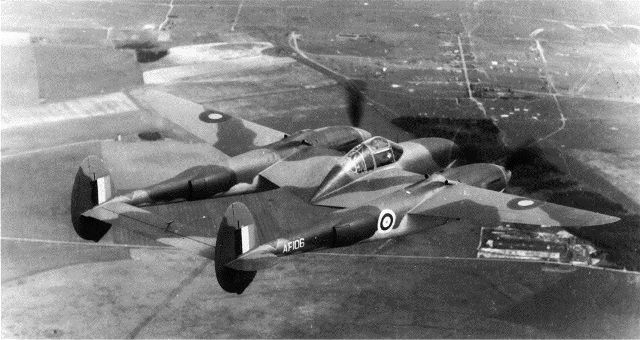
(211, 116)
(386, 220)
(523, 203)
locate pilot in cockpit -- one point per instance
(372, 153)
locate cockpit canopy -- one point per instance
(373, 153)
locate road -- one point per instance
(428, 285)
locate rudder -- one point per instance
(236, 235)
(92, 186)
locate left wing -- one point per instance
(137, 165)
(229, 134)
(461, 201)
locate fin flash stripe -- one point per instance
(247, 238)
(104, 189)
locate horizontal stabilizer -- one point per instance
(145, 223)
(461, 201)
(260, 258)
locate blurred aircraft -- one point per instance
(150, 43)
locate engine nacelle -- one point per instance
(427, 155)
(340, 138)
(361, 226)
(482, 175)
(195, 183)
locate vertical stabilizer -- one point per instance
(92, 186)
(237, 235)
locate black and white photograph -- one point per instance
(319, 169)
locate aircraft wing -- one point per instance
(461, 201)
(228, 134)
(303, 172)
(150, 225)
(137, 165)
(210, 138)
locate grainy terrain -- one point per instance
(563, 74)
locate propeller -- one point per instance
(354, 87)
(355, 96)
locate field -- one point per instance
(548, 89)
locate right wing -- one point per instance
(461, 201)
